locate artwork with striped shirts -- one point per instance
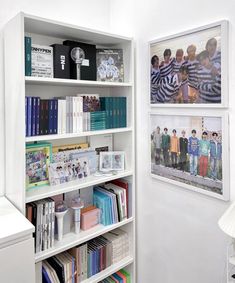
(190, 151)
(189, 68)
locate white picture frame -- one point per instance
(168, 41)
(112, 161)
(178, 124)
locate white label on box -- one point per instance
(86, 62)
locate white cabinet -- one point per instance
(16, 245)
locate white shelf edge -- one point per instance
(71, 239)
(77, 135)
(72, 82)
(48, 191)
(109, 271)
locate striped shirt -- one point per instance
(177, 65)
(169, 87)
(166, 69)
(210, 92)
(216, 58)
(192, 73)
(155, 82)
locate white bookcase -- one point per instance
(17, 86)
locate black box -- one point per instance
(88, 71)
(61, 56)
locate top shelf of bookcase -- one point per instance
(70, 82)
(38, 25)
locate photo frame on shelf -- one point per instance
(191, 150)
(190, 68)
(112, 161)
(37, 158)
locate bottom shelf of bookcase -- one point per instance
(110, 270)
(71, 239)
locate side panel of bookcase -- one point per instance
(14, 111)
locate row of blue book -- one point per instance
(83, 261)
(121, 276)
(115, 109)
(73, 114)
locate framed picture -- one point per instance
(191, 151)
(112, 161)
(37, 157)
(190, 68)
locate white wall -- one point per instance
(89, 13)
(178, 237)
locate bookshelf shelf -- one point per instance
(48, 191)
(18, 87)
(110, 270)
(67, 82)
(77, 135)
(71, 239)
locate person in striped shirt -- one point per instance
(166, 66)
(155, 77)
(192, 64)
(214, 54)
(179, 61)
(209, 80)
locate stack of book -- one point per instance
(122, 276)
(73, 114)
(59, 268)
(86, 260)
(112, 200)
(115, 109)
(42, 215)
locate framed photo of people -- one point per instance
(191, 150)
(190, 68)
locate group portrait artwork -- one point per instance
(188, 74)
(189, 155)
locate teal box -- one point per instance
(28, 56)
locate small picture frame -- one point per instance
(37, 158)
(112, 161)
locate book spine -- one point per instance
(46, 117)
(59, 118)
(26, 116)
(111, 111)
(55, 121)
(124, 107)
(50, 116)
(29, 115)
(67, 114)
(41, 122)
(74, 113)
(63, 116)
(28, 57)
(33, 124)
(52, 223)
(37, 127)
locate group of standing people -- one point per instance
(175, 151)
(191, 78)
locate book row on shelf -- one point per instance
(73, 60)
(73, 114)
(47, 165)
(104, 204)
(121, 276)
(83, 261)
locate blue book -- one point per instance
(28, 56)
(33, 125)
(26, 117)
(29, 115)
(123, 112)
(111, 112)
(120, 280)
(55, 116)
(37, 130)
(45, 277)
(102, 201)
(73, 270)
(50, 116)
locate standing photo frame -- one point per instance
(191, 150)
(37, 158)
(190, 69)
